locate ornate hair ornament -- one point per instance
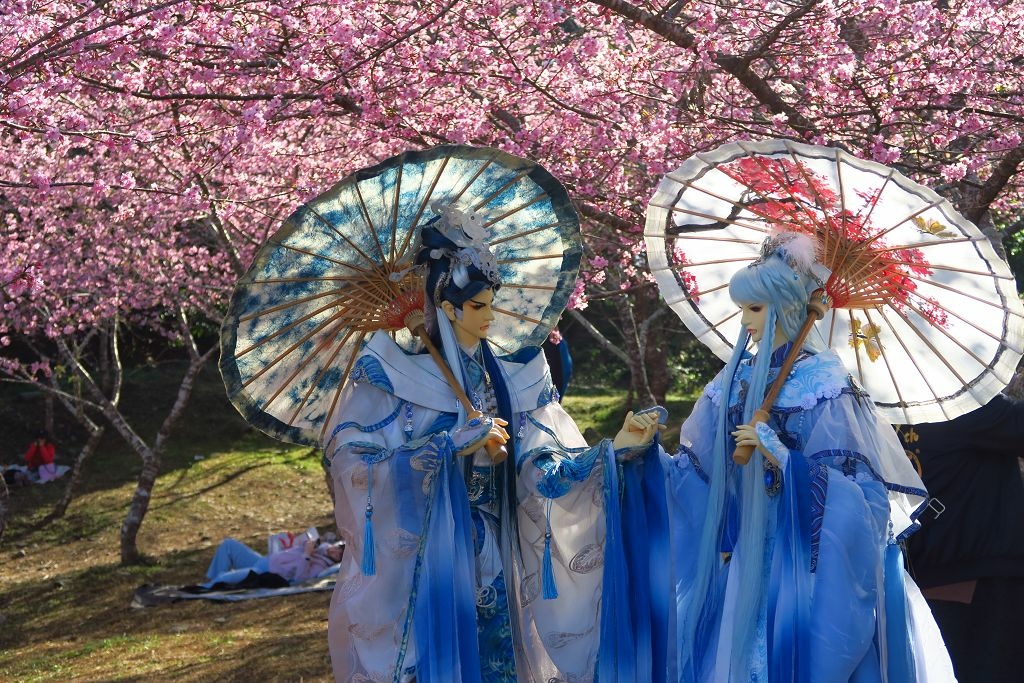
(797, 250)
(461, 225)
(466, 229)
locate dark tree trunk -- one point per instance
(656, 365)
(1016, 387)
(138, 508)
(649, 310)
(639, 386)
(151, 458)
(329, 480)
(48, 420)
(95, 435)
(4, 506)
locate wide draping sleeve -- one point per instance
(861, 496)
(845, 429)
(687, 489)
(408, 564)
(593, 535)
(848, 525)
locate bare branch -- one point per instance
(603, 217)
(596, 334)
(186, 333)
(340, 99)
(1013, 228)
(14, 70)
(182, 399)
(64, 397)
(765, 41)
(645, 326)
(104, 404)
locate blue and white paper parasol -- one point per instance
(341, 269)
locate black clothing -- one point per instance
(971, 464)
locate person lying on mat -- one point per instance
(233, 561)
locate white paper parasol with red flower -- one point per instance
(922, 309)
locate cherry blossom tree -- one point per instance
(151, 147)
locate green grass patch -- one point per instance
(599, 413)
(124, 644)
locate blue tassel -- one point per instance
(369, 566)
(897, 620)
(548, 577)
(369, 560)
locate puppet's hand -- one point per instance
(638, 429)
(479, 432)
(746, 435)
(496, 439)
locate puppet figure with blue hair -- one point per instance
(491, 544)
(788, 566)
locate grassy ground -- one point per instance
(64, 598)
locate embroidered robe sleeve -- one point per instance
(572, 548)
(386, 485)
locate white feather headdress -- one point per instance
(799, 251)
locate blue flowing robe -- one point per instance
(432, 585)
(833, 606)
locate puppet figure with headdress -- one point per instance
(787, 565)
(485, 545)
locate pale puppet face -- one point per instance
(475, 319)
(753, 317)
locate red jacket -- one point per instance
(37, 455)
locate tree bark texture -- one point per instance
(95, 435)
(138, 508)
(639, 385)
(151, 458)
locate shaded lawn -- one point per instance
(64, 599)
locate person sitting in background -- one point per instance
(233, 561)
(39, 457)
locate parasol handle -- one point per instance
(421, 331)
(414, 321)
(816, 307)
